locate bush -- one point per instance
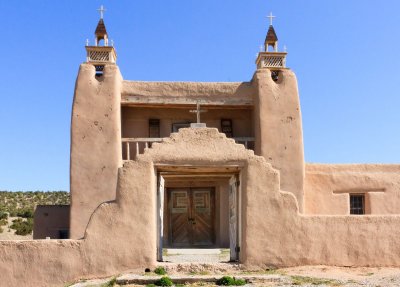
(229, 281)
(25, 213)
(3, 215)
(160, 270)
(3, 222)
(164, 281)
(22, 227)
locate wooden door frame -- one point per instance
(160, 213)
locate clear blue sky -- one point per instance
(346, 55)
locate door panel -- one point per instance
(179, 206)
(203, 215)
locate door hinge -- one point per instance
(237, 248)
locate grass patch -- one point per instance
(160, 270)
(230, 281)
(302, 280)
(164, 281)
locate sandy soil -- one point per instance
(296, 276)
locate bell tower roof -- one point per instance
(100, 29)
(271, 35)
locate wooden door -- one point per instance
(202, 217)
(179, 214)
(191, 217)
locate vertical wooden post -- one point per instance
(137, 149)
(128, 151)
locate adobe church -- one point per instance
(205, 165)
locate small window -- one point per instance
(154, 128)
(226, 127)
(357, 204)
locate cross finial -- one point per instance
(270, 18)
(101, 10)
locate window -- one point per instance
(357, 204)
(154, 128)
(226, 127)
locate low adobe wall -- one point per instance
(121, 234)
(327, 187)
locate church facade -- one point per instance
(215, 165)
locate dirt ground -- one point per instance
(296, 276)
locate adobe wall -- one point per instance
(327, 188)
(120, 236)
(95, 143)
(278, 128)
(49, 220)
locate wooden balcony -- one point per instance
(132, 147)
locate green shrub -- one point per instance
(164, 281)
(1, 230)
(229, 281)
(3, 215)
(25, 213)
(3, 222)
(22, 227)
(160, 270)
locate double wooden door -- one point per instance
(191, 217)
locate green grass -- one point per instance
(160, 270)
(230, 281)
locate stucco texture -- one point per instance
(121, 234)
(327, 188)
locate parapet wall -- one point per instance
(327, 188)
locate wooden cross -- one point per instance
(198, 111)
(101, 10)
(270, 18)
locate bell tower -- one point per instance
(273, 60)
(277, 116)
(101, 53)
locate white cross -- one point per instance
(101, 10)
(198, 111)
(270, 18)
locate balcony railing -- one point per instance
(271, 60)
(132, 147)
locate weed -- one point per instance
(164, 281)
(230, 281)
(160, 270)
(150, 285)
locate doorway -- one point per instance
(191, 215)
(198, 213)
